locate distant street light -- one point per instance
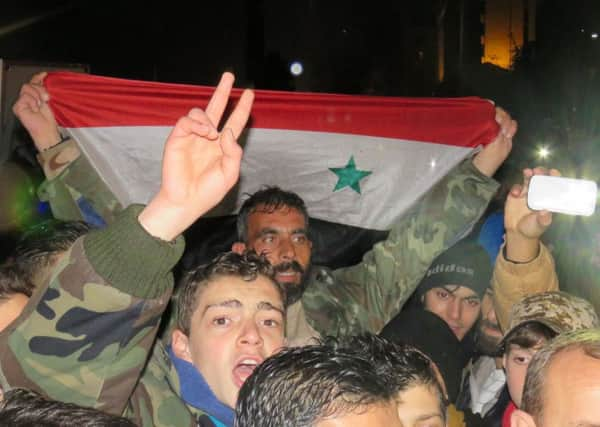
(543, 153)
(594, 36)
(296, 68)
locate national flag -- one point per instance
(357, 161)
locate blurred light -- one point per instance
(432, 163)
(583, 30)
(594, 36)
(543, 152)
(296, 68)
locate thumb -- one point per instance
(544, 218)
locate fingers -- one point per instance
(201, 117)
(544, 218)
(219, 99)
(239, 117)
(186, 126)
(232, 156)
(26, 102)
(516, 190)
(37, 91)
(38, 79)
(508, 126)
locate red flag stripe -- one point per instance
(82, 100)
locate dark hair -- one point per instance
(25, 408)
(39, 245)
(268, 199)
(11, 283)
(528, 335)
(532, 402)
(303, 385)
(247, 266)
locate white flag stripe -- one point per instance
(128, 159)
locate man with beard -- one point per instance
(364, 297)
(524, 267)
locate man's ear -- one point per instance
(504, 356)
(180, 344)
(521, 419)
(238, 247)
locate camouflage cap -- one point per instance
(559, 311)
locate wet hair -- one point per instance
(586, 340)
(246, 266)
(303, 385)
(528, 335)
(39, 246)
(11, 283)
(25, 408)
(269, 200)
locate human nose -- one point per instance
(287, 252)
(455, 309)
(250, 334)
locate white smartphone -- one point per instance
(563, 195)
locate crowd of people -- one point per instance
(430, 329)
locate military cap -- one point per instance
(559, 311)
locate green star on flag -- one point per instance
(349, 176)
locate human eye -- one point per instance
(521, 359)
(473, 302)
(271, 323)
(300, 238)
(221, 321)
(269, 239)
(442, 293)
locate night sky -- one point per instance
(351, 47)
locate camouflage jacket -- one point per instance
(85, 336)
(73, 188)
(156, 400)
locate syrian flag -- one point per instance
(358, 161)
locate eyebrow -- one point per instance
(270, 230)
(428, 416)
(452, 291)
(264, 305)
(234, 303)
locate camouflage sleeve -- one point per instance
(366, 296)
(155, 401)
(511, 282)
(85, 337)
(73, 188)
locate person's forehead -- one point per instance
(579, 373)
(282, 217)
(420, 396)
(232, 288)
(383, 414)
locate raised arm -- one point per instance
(72, 187)
(84, 338)
(524, 265)
(369, 294)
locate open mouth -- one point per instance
(243, 370)
(287, 276)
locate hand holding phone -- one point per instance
(563, 195)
